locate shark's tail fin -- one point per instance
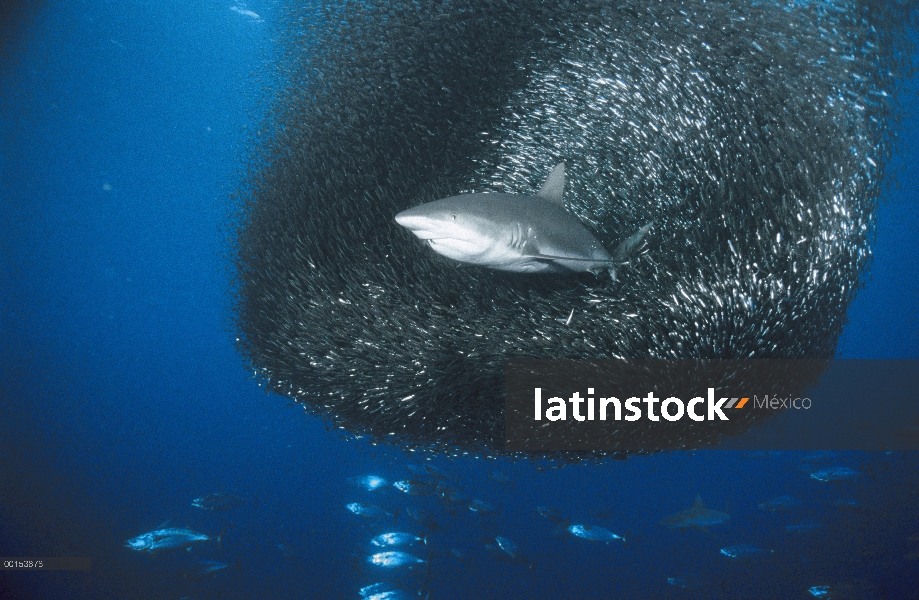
(220, 537)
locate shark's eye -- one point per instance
(453, 217)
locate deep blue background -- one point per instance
(126, 127)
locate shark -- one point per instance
(697, 516)
(516, 232)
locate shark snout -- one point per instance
(417, 224)
(407, 219)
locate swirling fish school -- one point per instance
(753, 135)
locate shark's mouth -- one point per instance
(700, 132)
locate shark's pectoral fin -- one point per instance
(547, 264)
(553, 267)
(558, 263)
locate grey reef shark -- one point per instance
(516, 232)
(697, 517)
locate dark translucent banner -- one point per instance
(642, 406)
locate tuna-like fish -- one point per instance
(422, 517)
(383, 591)
(165, 539)
(217, 502)
(416, 488)
(500, 477)
(478, 506)
(835, 475)
(367, 510)
(374, 588)
(368, 482)
(593, 533)
(205, 569)
(426, 469)
(848, 590)
(390, 595)
(508, 546)
(453, 499)
(744, 551)
(242, 10)
(803, 527)
(393, 558)
(396, 538)
(779, 504)
(551, 515)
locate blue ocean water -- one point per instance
(126, 130)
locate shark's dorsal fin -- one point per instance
(698, 503)
(554, 187)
